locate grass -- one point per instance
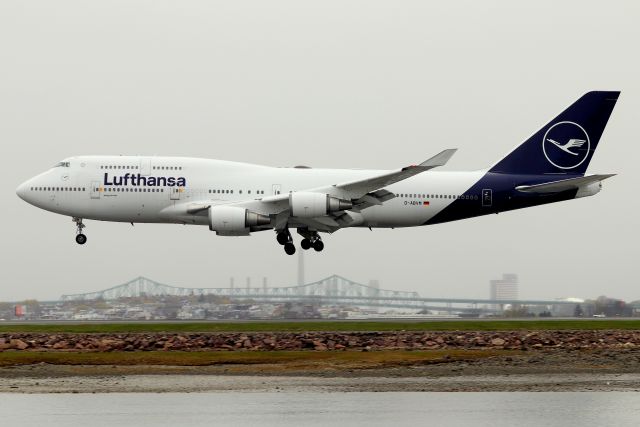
(329, 326)
(282, 359)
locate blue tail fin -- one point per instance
(565, 144)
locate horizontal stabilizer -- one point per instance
(563, 184)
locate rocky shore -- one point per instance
(322, 341)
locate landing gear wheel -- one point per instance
(289, 248)
(305, 244)
(318, 245)
(81, 239)
(283, 238)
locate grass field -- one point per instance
(336, 326)
(282, 359)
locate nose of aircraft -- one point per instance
(23, 190)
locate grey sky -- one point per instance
(362, 84)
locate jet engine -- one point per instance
(234, 220)
(309, 205)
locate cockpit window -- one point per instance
(62, 165)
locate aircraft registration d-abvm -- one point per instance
(237, 199)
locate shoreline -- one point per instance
(603, 370)
(321, 361)
(232, 383)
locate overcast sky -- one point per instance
(346, 84)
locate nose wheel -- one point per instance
(81, 238)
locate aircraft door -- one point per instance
(145, 166)
(487, 197)
(174, 193)
(276, 189)
(95, 189)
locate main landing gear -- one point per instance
(81, 239)
(285, 239)
(311, 239)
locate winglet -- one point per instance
(439, 159)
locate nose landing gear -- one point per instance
(81, 239)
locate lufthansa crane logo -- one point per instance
(566, 145)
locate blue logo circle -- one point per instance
(566, 145)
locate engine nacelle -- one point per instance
(309, 205)
(234, 220)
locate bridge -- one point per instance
(332, 290)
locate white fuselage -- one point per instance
(161, 189)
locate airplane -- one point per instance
(237, 199)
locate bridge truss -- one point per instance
(332, 290)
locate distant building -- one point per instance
(505, 288)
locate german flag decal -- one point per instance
(426, 203)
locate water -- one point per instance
(321, 409)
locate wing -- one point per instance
(354, 190)
(357, 189)
(363, 193)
